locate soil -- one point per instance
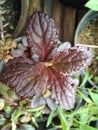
(10, 12)
(89, 36)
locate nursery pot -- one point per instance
(86, 18)
(89, 17)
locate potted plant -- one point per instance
(86, 35)
(14, 15)
(40, 80)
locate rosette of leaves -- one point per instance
(46, 74)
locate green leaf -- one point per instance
(96, 57)
(2, 2)
(85, 116)
(87, 99)
(5, 92)
(21, 103)
(7, 109)
(3, 89)
(92, 4)
(38, 114)
(2, 119)
(36, 109)
(50, 118)
(96, 79)
(93, 110)
(94, 95)
(86, 127)
(85, 78)
(62, 119)
(83, 109)
(34, 121)
(16, 114)
(21, 46)
(93, 119)
(1, 42)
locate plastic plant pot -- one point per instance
(86, 18)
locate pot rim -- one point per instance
(86, 18)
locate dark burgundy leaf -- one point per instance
(72, 59)
(63, 89)
(46, 76)
(42, 35)
(13, 70)
(29, 80)
(60, 90)
(26, 78)
(39, 100)
(62, 47)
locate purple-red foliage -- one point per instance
(46, 75)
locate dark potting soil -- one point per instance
(10, 12)
(89, 36)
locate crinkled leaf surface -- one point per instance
(46, 75)
(31, 80)
(71, 60)
(42, 35)
(20, 74)
(61, 90)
